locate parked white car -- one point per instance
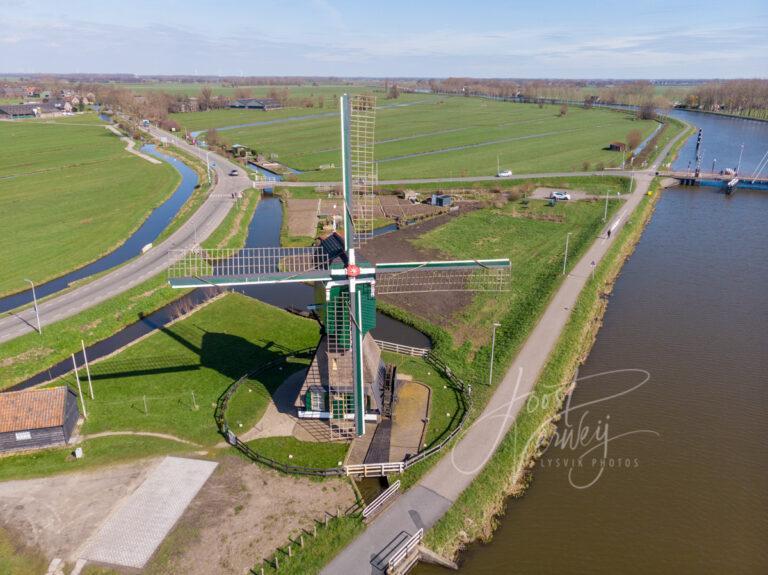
(560, 196)
(504, 174)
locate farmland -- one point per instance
(431, 136)
(72, 192)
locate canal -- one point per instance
(673, 475)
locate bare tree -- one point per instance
(646, 111)
(634, 139)
(563, 109)
(205, 100)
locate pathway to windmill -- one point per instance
(425, 503)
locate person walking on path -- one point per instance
(609, 233)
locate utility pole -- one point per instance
(87, 368)
(565, 259)
(37, 310)
(493, 350)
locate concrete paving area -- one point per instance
(130, 535)
(409, 419)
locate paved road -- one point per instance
(200, 225)
(425, 503)
(625, 173)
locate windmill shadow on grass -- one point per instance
(231, 355)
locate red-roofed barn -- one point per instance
(37, 418)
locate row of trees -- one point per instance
(743, 97)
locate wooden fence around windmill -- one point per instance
(362, 470)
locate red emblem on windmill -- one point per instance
(353, 271)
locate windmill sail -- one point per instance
(198, 267)
(358, 127)
(460, 275)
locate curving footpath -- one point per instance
(427, 501)
(198, 227)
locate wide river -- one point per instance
(681, 485)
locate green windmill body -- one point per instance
(347, 383)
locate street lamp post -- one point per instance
(493, 350)
(565, 258)
(37, 310)
(605, 212)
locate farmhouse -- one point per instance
(17, 111)
(255, 104)
(37, 418)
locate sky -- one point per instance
(391, 38)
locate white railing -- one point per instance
(404, 349)
(402, 553)
(374, 469)
(379, 502)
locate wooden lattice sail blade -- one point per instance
(460, 275)
(198, 267)
(363, 169)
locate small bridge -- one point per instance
(729, 182)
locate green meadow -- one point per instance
(71, 192)
(422, 135)
(182, 370)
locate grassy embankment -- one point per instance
(72, 194)
(473, 515)
(455, 136)
(316, 553)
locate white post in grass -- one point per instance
(493, 350)
(565, 258)
(79, 390)
(87, 369)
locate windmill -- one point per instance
(346, 383)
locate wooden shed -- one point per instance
(37, 418)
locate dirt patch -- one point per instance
(302, 217)
(398, 247)
(25, 356)
(242, 515)
(58, 513)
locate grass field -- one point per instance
(436, 136)
(202, 354)
(69, 193)
(533, 238)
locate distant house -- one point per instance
(18, 111)
(617, 146)
(255, 104)
(441, 200)
(37, 418)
